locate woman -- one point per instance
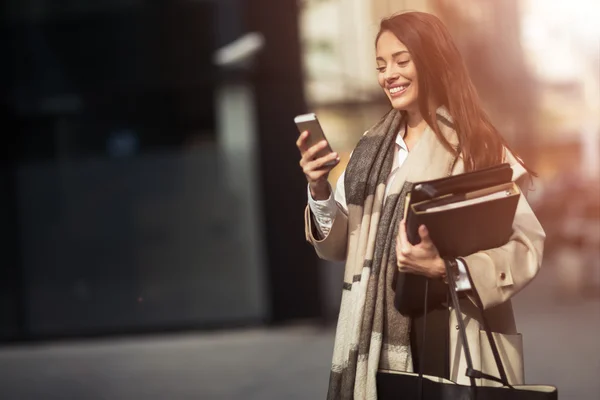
(436, 128)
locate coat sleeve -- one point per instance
(333, 246)
(498, 274)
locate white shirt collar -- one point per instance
(400, 139)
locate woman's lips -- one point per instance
(398, 90)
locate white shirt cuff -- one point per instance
(462, 282)
(323, 212)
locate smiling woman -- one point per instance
(437, 127)
(397, 73)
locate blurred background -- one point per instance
(151, 219)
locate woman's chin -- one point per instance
(401, 104)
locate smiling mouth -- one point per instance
(398, 90)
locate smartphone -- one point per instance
(310, 123)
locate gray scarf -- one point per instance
(371, 335)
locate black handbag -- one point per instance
(417, 386)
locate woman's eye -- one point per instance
(403, 63)
(381, 69)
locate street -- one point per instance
(561, 342)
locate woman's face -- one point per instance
(396, 72)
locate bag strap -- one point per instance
(471, 372)
(488, 333)
(422, 352)
(461, 324)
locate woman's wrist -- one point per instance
(320, 191)
(440, 268)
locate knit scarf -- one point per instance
(371, 334)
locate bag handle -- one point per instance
(471, 372)
(488, 333)
(422, 353)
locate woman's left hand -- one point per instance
(422, 259)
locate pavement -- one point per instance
(561, 334)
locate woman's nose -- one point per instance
(391, 75)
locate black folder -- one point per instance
(464, 214)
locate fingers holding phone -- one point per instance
(316, 169)
(313, 163)
(318, 159)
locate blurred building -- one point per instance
(561, 43)
(117, 213)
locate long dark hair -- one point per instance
(442, 75)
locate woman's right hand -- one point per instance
(315, 170)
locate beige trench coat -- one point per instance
(497, 274)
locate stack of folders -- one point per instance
(464, 214)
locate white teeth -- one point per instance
(398, 89)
